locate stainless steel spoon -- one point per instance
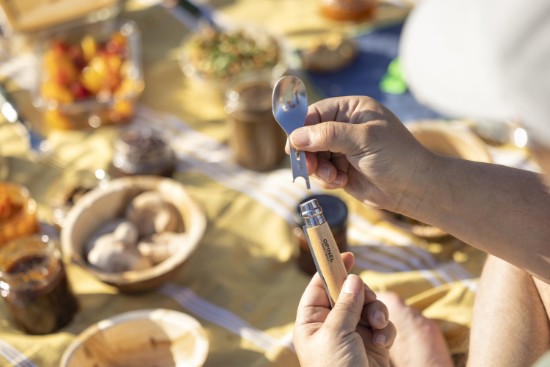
(289, 104)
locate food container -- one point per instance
(105, 204)
(34, 285)
(152, 337)
(88, 75)
(256, 139)
(212, 57)
(69, 188)
(143, 150)
(17, 212)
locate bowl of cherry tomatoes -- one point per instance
(89, 75)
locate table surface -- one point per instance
(242, 283)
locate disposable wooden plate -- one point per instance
(154, 337)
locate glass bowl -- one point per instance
(213, 57)
(88, 75)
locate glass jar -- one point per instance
(335, 211)
(34, 285)
(69, 188)
(143, 151)
(17, 212)
(353, 10)
(255, 137)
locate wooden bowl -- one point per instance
(448, 139)
(158, 337)
(105, 203)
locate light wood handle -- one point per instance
(328, 259)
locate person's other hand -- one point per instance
(355, 333)
(357, 144)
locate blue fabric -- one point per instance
(376, 50)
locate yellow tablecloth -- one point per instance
(242, 284)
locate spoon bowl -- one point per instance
(289, 103)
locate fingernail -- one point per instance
(300, 138)
(350, 285)
(380, 317)
(324, 173)
(380, 339)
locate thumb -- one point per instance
(336, 137)
(347, 311)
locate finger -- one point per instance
(313, 301)
(349, 260)
(376, 314)
(337, 137)
(346, 313)
(384, 338)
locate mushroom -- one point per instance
(160, 246)
(122, 230)
(114, 256)
(151, 214)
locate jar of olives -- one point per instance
(143, 151)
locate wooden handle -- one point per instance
(328, 259)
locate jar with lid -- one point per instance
(142, 151)
(255, 138)
(336, 214)
(69, 188)
(347, 10)
(34, 285)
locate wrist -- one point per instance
(422, 185)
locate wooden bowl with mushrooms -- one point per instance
(135, 233)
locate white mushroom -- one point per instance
(161, 246)
(112, 255)
(127, 232)
(151, 214)
(121, 228)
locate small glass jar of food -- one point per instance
(69, 188)
(143, 151)
(17, 212)
(34, 285)
(335, 211)
(348, 10)
(257, 141)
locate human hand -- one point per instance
(355, 333)
(357, 144)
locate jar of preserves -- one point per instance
(34, 285)
(257, 141)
